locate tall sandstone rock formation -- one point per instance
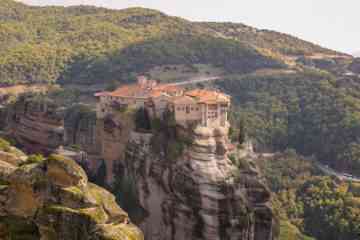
(201, 194)
(197, 194)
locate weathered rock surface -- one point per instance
(199, 194)
(80, 128)
(36, 124)
(54, 200)
(40, 125)
(202, 194)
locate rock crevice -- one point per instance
(201, 194)
(53, 199)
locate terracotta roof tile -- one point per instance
(137, 90)
(167, 88)
(207, 96)
(156, 93)
(182, 100)
(190, 97)
(100, 94)
(133, 90)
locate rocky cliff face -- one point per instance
(39, 124)
(36, 124)
(80, 128)
(53, 199)
(115, 131)
(189, 191)
(201, 194)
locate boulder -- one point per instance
(53, 199)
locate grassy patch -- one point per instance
(19, 228)
(4, 145)
(290, 232)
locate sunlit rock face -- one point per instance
(53, 199)
(199, 194)
(36, 125)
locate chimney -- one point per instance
(142, 81)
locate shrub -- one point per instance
(35, 158)
(243, 164)
(142, 119)
(156, 124)
(76, 147)
(174, 149)
(4, 145)
(232, 158)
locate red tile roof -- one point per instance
(207, 96)
(182, 100)
(139, 91)
(133, 90)
(100, 94)
(167, 88)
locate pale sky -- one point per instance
(330, 23)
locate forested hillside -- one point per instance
(92, 45)
(312, 111)
(292, 93)
(320, 206)
(286, 93)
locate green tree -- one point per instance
(330, 210)
(142, 119)
(35, 158)
(242, 131)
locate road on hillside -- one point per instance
(331, 172)
(196, 80)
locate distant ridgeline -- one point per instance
(95, 45)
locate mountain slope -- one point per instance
(90, 45)
(356, 54)
(266, 39)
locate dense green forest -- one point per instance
(319, 206)
(312, 111)
(94, 45)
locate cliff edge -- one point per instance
(191, 189)
(52, 199)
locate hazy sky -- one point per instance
(331, 23)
